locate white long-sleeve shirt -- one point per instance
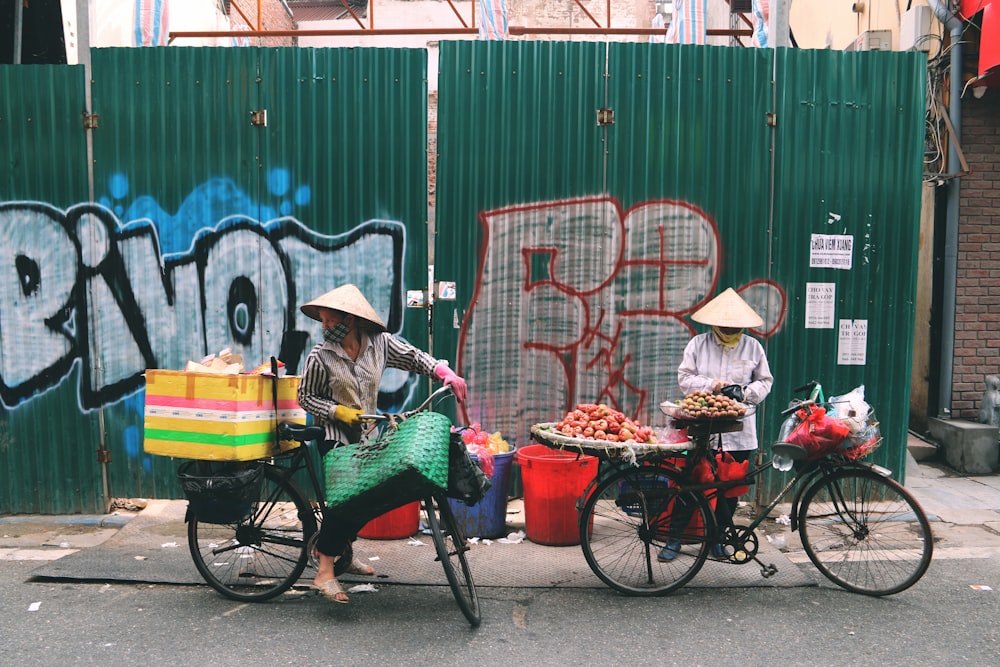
(706, 361)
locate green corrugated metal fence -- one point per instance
(579, 246)
(595, 242)
(205, 231)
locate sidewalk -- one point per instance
(964, 512)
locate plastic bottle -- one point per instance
(782, 463)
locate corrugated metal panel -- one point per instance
(517, 138)
(41, 114)
(255, 220)
(584, 282)
(176, 156)
(48, 451)
(848, 150)
(206, 231)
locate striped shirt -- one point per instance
(331, 378)
(706, 361)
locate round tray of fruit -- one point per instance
(599, 430)
(704, 406)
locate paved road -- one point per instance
(949, 617)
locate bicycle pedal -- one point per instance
(768, 571)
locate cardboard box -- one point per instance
(217, 417)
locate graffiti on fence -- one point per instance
(78, 286)
(595, 309)
(575, 300)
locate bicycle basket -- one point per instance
(402, 465)
(863, 442)
(220, 491)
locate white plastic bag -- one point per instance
(852, 409)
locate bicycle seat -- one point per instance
(794, 452)
(300, 432)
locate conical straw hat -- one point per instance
(728, 310)
(347, 299)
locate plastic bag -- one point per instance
(466, 480)
(818, 433)
(729, 469)
(852, 409)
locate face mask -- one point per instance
(728, 340)
(336, 333)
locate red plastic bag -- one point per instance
(729, 468)
(819, 434)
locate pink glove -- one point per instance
(448, 377)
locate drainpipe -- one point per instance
(950, 278)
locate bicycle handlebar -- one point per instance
(815, 390)
(439, 393)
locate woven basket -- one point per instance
(402, 465)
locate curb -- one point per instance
(98, 520)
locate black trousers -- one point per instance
(338, 529)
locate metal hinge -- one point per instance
(89, 121)
(772, 119)
(605, 117)
(104, 456)
(259, 118)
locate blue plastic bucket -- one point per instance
(488, 517)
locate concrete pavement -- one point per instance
(964, 512)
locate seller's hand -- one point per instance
(717, 385)
(349, 416)
(450, 379)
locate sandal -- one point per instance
(331, 590)
(357, 567)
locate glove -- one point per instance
(349, 416)
(734, 391)
(448, 377)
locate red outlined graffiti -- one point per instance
(580, 301)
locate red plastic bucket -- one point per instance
(553, 483)
(394, 524)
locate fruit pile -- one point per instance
(706, 405)
(493, 442)
(599, 422)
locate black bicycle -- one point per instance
(263, 551)
(860, 528)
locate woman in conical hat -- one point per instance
(340, 381)
(726, 360)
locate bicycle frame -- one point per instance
(802, 480)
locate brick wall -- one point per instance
(567, 13)
(977, 300)
(274, 17)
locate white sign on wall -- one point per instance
(853, 343)
(821, 299)
(831, 251)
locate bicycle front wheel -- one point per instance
(451, 548)
(865, 532)
(262, 556)
(628, 521)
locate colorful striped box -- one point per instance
(217, 417)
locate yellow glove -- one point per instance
(349, 416)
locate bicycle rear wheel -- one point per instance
(865, 532)
(630, 517)
(451, 548)
(262, 556)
